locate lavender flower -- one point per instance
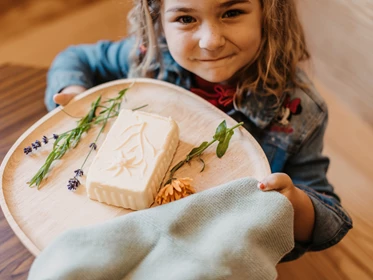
(27, 150)
(36, 144)
(93, 145)
(55, 136)
(45, 139)
(73, 184)
(78, 172)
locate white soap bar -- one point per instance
(133, 160)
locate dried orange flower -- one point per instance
(178, 188)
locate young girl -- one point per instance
(243, 57)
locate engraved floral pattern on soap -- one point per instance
(131, 151)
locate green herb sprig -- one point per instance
(222, 134)
(64, 142)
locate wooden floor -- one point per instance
(348, 139)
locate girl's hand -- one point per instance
(68, 93)
(304, 213)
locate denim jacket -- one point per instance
(291, 134)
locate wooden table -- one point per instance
(21, 105)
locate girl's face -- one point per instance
(212, 38)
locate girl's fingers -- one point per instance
(63, 98)
(67, 94)
(275, 181)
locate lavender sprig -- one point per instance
(37, 144)
(64, 142)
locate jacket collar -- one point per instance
(259, 108)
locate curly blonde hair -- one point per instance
(273, 71)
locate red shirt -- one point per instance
(218, 95)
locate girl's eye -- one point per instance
(185, 19)
(232, 13)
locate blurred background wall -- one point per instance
(340, 36)
(32, 32)
(19, 16)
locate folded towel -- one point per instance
(233, 231)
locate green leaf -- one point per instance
(122, 93)
(197, 151)
(223, 145)
(139, 108)
(203, 164)
(92, 112)
(221, 131)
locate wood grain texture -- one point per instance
(340, 36)
(19, 86)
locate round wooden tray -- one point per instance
(38, 216)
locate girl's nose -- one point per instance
(211, 38)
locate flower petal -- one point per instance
(178, 195)
(170, 190)
(176, 185)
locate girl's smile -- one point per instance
(214, 59)
(212, 39)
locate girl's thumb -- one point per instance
(275, 181)
(63, 98)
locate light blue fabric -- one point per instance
(233, 231)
